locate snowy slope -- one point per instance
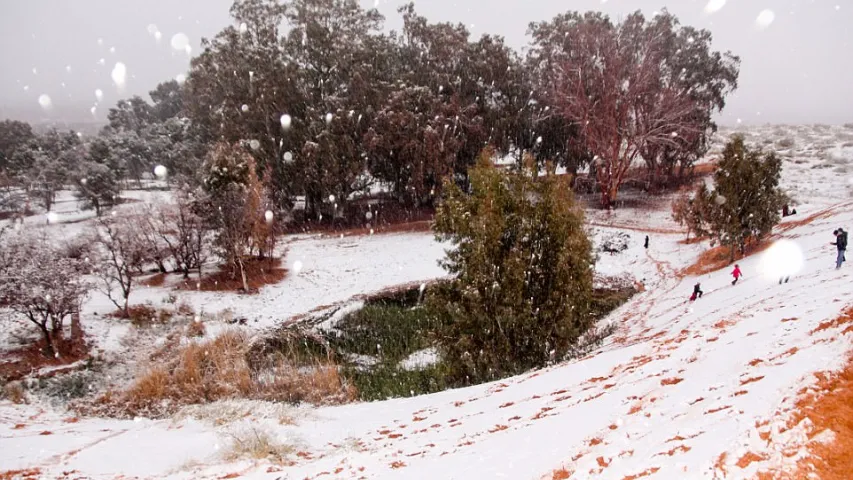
(683, 390)
(681, 384)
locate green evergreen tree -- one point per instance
(521, 266)
(746, 201)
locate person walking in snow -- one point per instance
(697, 292)
(736, 273)
(841, 245)
(647, 242)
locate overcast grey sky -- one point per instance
(799, 69)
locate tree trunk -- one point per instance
(243, 275)
(50, 348)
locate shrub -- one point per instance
(219, 369)
(15, 393)
(390, 332)
(389, 381)
(69, 386)
(145, 315)
(615, 242)
(255, 444)
(521, 267)
(195, 329)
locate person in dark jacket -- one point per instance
(697, 292)
(647, 242)
(841, 245)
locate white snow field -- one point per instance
(682, 390)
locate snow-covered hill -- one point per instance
(682, 390)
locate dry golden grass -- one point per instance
(256, 444)
(14, 392)
(206, 371)
(195, 329)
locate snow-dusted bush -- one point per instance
(615, 242)
(253, 443)
(41, 283)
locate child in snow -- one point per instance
(697, 292)
(736, 273)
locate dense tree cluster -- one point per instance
(332, 107)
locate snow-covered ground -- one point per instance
(682, 390)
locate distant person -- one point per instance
(697, 292)
(646, 245)
(785, 211)
(841, 245)
(736, 273)
(785, 278)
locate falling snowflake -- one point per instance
(244, 28)
(119, 75)
(160, 171)
(180, 41)
(99, 94)
(297, 267)
(331, 199)
(268, 216)
(329, 117)
(765, 18)
(288, 157)
(45, 101)
(244, 108)
(714, 6)
(180, 78)
(286, 121)
(368, 216)
(255, 144)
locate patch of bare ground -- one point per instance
(720, 257)
(561, 474)
(828, 405)
(259, 272)
(644, 473)
(18, 363)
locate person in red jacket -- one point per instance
(736, 273)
